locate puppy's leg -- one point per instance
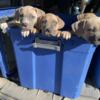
(14, 23)
(34, 31)
(4, 27)
(65, 34)
(25, 33)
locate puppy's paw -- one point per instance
(66, 35)
(25, 33)
(59, 34)
(4, 27)
(34, 31)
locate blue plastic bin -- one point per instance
(94, 71)
(61, 72)
(4, 12)
(3, 62)
(95, 68)
(76, 60)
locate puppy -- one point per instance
(50, 25)
(85, 16)
(27, 18)
(88, 29)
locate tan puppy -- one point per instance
(89, 29)
(27, 18)
(85, 16)
(50, 24)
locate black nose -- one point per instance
(24, 24)
(92, 38)
(99, 39)
(47, 30)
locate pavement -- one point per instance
(11, 91)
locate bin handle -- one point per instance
(46, 44)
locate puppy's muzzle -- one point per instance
(47, 31)
(92, 39)
(24, 24)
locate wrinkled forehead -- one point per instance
(27, 11)
(93, 23)
(50, 18)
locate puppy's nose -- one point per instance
(24, 24)
(47, 30)
(92, 38)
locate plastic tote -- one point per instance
(59, 67)
(50, 64)
(94, 72)
(4, 14)
(77, 55)
(3, 60)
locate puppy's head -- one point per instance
(88, 29)
(49, 23)
(27, 16)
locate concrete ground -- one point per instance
(11, 91)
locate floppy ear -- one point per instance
(75, 26)
(80, 17)
(39, 22)
(60, 23)
(39, 12)
(79, 27)
(17, 13)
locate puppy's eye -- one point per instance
(91, 29)
(99, 39)
(44, 21)
(92, 38)
(32, 16)
(54, 23)
(21, 15)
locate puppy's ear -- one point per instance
(80, 17)
(39, 12)
(79, 27)
(17, 13)
(60, 23)
(39, 22)
(75, 26)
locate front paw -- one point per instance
(25, 33)
(4, 27)
(34, 31)
(66, 35)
